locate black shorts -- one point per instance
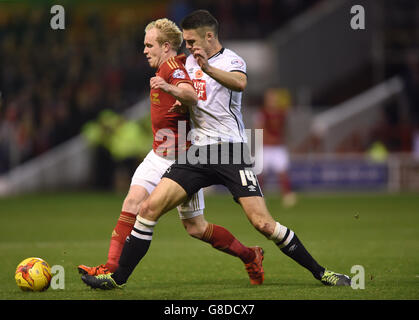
(227, 164)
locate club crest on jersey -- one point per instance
(179, 74)
(237, 63)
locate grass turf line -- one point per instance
(377, 231)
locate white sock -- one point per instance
(282, 235)
(143, 228)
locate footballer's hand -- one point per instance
(159, 83)
(201, 58)
(178, 107)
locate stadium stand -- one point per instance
(52, 82)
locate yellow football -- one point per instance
(33, 274)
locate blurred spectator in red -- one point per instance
(272, 119)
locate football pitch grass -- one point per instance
(377, 231)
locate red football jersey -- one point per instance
(166, 141)
(273, 124)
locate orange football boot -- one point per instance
(255, 268)
(93, 271)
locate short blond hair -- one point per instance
(168, 32)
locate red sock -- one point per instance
(284, 182)
(221, 239)
(122, 229)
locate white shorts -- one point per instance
(275, 158)
(148, 175)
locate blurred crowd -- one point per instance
(54, 81)
(243, 19)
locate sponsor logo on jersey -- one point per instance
(178, 74)
(200, 88)
(154, 97)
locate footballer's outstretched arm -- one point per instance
(184, 92)
(234, 80)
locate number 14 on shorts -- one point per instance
(246, 176)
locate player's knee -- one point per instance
(131, 204)
(147, 211)
(263, 227)
(194, 230)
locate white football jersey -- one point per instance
(217, 117)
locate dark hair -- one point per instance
(199, 19)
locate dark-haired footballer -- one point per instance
(171, 85)
(219, 76)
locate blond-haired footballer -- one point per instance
(170, 89)
(219, 75)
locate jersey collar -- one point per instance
(181, 57)
(217, 54)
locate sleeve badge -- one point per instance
(179, 74)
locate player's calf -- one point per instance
(131, 204)
(223, 240)
(136, 246)
(289, 244)
(195, 226)
(258, 214)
